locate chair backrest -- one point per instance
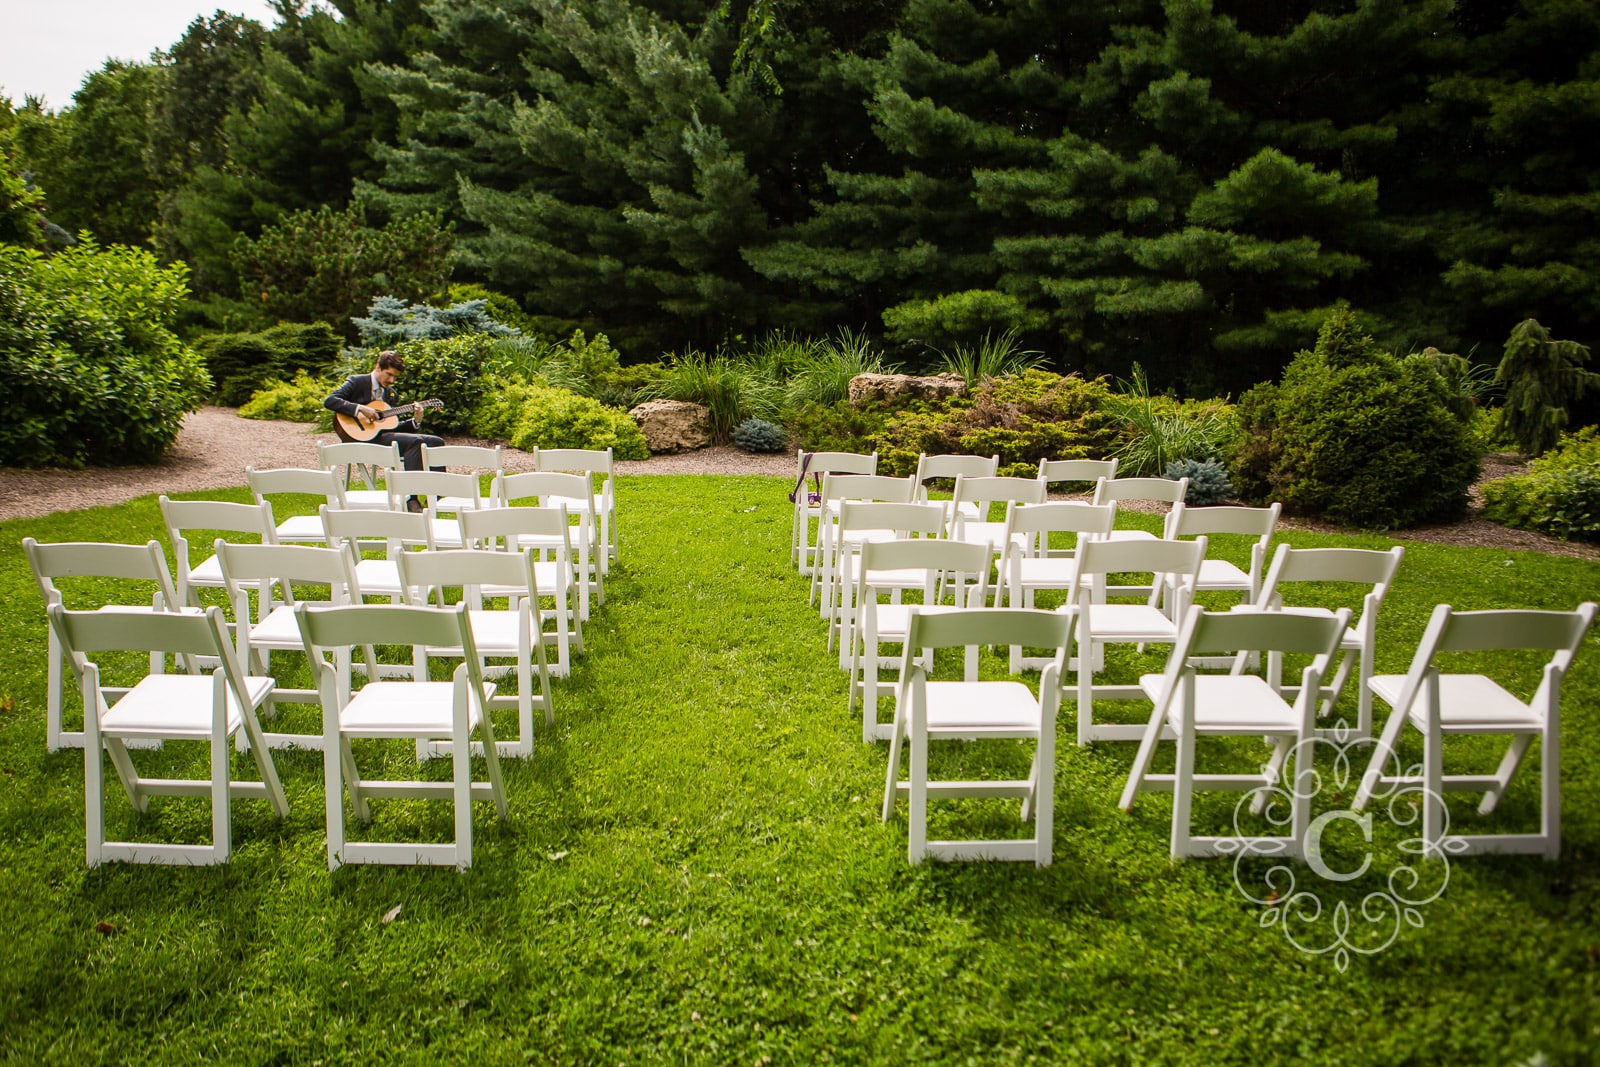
(96, 560)
(1159, 490)
(365, 453)
(478, 457)
(509, 527)
(1060, 516)
(1185, 521)
(1558, 632)
(916, 518)
(351, 626)
(1028, 627)
(953, 466)
(468, 569)
(1180, 559)
(216, 515)
(1211, 633)
(964, 565)
(457, 484)
(576, 487)
(398, 530)
(84, 633)
(985, 491)
(287, 564)
(1077, 470)
(321, 482)
(836, 486)
(576, 460)
(822, 463)
(1358, 566)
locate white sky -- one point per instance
(47, 47)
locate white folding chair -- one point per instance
(482, 459)
(1089, 471)
(272, 626)
(1028, 566)
(513, 632)
(952, 467)
(1119, 623)
(1335, 566)
(368, 459)
(284, 481)
(932, 710)
(165, 707)
(539, 532)
(950, 574)
(385, 534)
(418, 710)
(1441, 704)
(210, 516)
(91, 562)
(837, 488)
(1121, 491)
(1218, 523)
(601, 465)
(1188, 706)
(576, 493)
(861, 522)
(808, 503)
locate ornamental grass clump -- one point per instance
(1355, 435)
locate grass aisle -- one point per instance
(695, 872)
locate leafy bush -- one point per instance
(1158, 431)
(241, 363)
(836, 427)
(93, 371)
(452, 369)
(1543, 377)
(759, 435)
(391, 320)
(502, 308)
(960, 318)
(1560, 494)
(536, 415)
(299, 400)
(733, 389)
(1208, 481)
(1355, 435)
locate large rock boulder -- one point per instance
(892, 388)
(673, 425)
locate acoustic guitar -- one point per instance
(350, 428)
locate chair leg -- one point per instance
(1183, 792)
(221, 815)
(917, 820)
(891, 784)
(1503, 774)
(1550, 786)
(1432, 797)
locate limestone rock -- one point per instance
(892, 388)
(673, 425)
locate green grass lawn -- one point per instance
(695, 871)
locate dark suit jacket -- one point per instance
(358, 389)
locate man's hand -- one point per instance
(366, 416)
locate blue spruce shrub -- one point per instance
(759, 435)
(1208, 481)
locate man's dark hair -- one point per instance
(390, 358)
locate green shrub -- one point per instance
(836, 427)
(241, 363)
(536, 415)
(1543, 378)
(1355, 435)
(299, 400)
(960, 318)
(451, 369)
(820, 373)
(93, 371)
(731, 388)
(1157, 431)
(759, 435)
(1560, 494)
(390, 320)
(502, 308)
(990, 358)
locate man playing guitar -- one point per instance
(355, 396)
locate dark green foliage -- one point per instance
(733, 388)
(390, 320)
(535, 415)
(456, 370)
(1560, 494)
(1208, 481)
(240, 363)
(21, 203)
(330, 265)
(759, 435)
(836, 427)
(1356, 436)
(1543, 378)
(501, 308)
(93, 372)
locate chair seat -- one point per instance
(367, 499)
(496, 633)
(893, 620)
(1219, 574)
(447, 533)
(208, 573)
(302, 528)
(176, 706)
(1468, 702)
(988, 533)
(1227, 703)
(1131, 535)
(993, 709)
(1129, 623)
(379, 577)
(278, 630)
(405, 709)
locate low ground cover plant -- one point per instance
(1560, 494)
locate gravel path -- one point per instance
(215, 446)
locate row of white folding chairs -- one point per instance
(214, 709)
(375, 461)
